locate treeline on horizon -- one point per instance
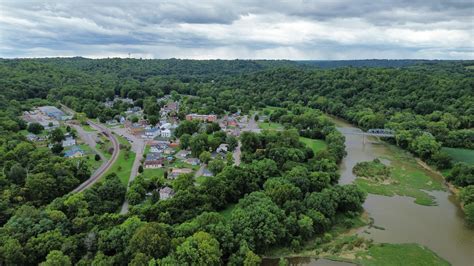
(429, 104)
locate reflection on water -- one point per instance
(441, 228)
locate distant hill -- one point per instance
(366, 63)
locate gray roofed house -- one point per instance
(153, 156)
(68, 142)
(166, 193)
(206, 172)
(192, 161)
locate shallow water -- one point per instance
(441, 228)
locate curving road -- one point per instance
(105, 166)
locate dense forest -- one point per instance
(283, 193)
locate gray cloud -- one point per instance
(300, 29)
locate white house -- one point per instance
(69, 141)
(152, 133)
(166, 126)
(166, 133)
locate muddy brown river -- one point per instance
(441, 228)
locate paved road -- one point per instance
(251, 126)
(138, 146)
(199, 171)
(105, 166)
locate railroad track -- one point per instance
(104, 167)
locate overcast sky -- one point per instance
(247, 29)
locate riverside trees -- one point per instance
(282, 193)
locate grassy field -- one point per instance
(123, 166)
(398, 254)
(315, 144)
(88, 128)
(180, 164)
(104, 147)
(44, 133)
(407, 178)
(149, 173)
(460, 155)
(89, 158)
(269, 126)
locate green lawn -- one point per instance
(460, 155)
(90, 157)
(43, 133)
(88, 128)
(149, 173)
(315, 144)
(147, 149)
(269, 126)
(106, 144)
(407, 178)
(123, 166)
(182, 164)
(399, 254)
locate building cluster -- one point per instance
(169, 110)
(72, 150)
(230, 124)
(163, 129)
(54, 113)
(160, 153)
(229, 121)
(204, 118)
(47, 116)
(154, 160)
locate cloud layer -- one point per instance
(297, 29)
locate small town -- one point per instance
(158, 152)
(237, 133)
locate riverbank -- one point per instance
(344, 230)
(441, 228)
(344, 247)
(404, 178)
